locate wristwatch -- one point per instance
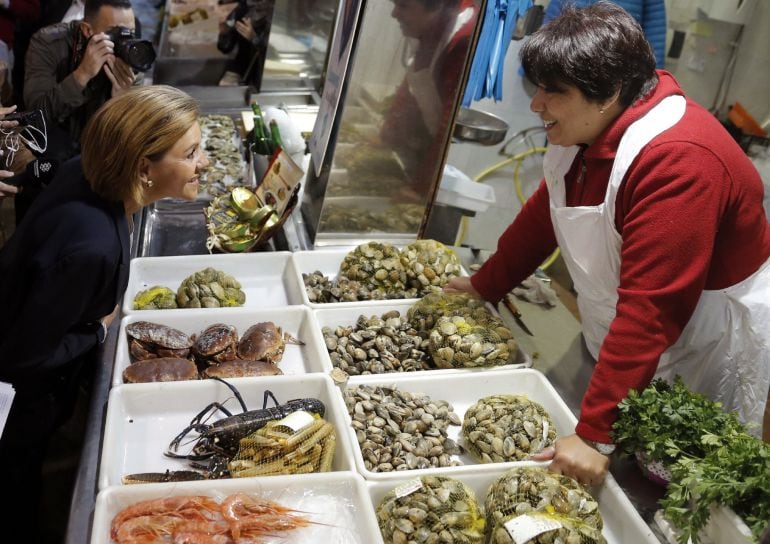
(604, 449)
(101, 332)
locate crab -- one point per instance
(216, 344)
(162, 369)
(265, 342)
(238, 368)
(148, 340)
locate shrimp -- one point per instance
(195, 506)
(258, 516)
(201, 538)
(156, 528)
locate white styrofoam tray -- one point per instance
(142, 419)
(268, 278)
(298, 321)
(327, 261)
(347, 316)
(622, 523)
(462, 391)
(338, 503)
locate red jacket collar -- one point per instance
(608, 141)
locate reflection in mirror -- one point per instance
(299, 37)
(395, 124)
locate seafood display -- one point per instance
(207, 288)
(421, 341)
(151, 340)
(502, 428)
(238, 517)
(463, 342)
(431, 509)
(376, 271)
(227, 168)
(279, 448)
(167, 354)
(156, 297)
(399, 430)
(377, 266)
(537, 494)
(164, 369)
(210, 288)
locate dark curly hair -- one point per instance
(600, 49)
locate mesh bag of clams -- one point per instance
(424, 313)
(464, 342)
(376, 266)
(532, 505)
(429, 265)
(431, 509)
(282, 447)
(503, 428)
(210, 288)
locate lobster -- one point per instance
(222, 437)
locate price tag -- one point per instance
(545, 430)
(526, 527)
(407, 488)
(297, 420)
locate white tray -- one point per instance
(338, 500)
(143, 418)
(462, 391)
(622, 523)
(347, 316)
(724, 526)
(327, 261)
(296, 320)
(268, 279)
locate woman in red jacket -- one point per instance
(659, 217)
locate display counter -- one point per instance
(556, 349)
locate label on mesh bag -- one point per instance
(297, 420)
(526, 527)
(407, 488)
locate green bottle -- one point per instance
(275, 135)
(260, 143)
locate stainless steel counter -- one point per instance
(557, 349)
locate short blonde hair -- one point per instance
(142, 122)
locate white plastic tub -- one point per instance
(622, 524)
(268, 279)
(142, 419)
(462, 391)
(348, 315)
(338, 503)
(327, 261)
(298, 321)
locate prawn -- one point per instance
(143, 528)
(184, 507)
(257, 516)
(194, 537)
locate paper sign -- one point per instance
(407, 488)
(280, 183)
(526, 527)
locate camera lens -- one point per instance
(139, 54)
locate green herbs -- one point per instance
(668, 412)
(735, 472)
(712, 458)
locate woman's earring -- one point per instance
(148, 183)
(601, 110)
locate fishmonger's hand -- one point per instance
(461, 284)
(575, 457)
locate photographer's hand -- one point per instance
(244, 28)
(7, 124)
(98, 51)
(120, 74)
(5, 189)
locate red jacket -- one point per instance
(691, 218)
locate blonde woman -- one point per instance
(66, 267)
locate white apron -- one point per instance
(724, 350)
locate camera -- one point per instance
(227, 40)
(137, 53)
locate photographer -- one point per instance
(72, 69)
(247, 27)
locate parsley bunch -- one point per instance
(663, 412)
(735, 472)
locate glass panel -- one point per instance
(395, 123)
